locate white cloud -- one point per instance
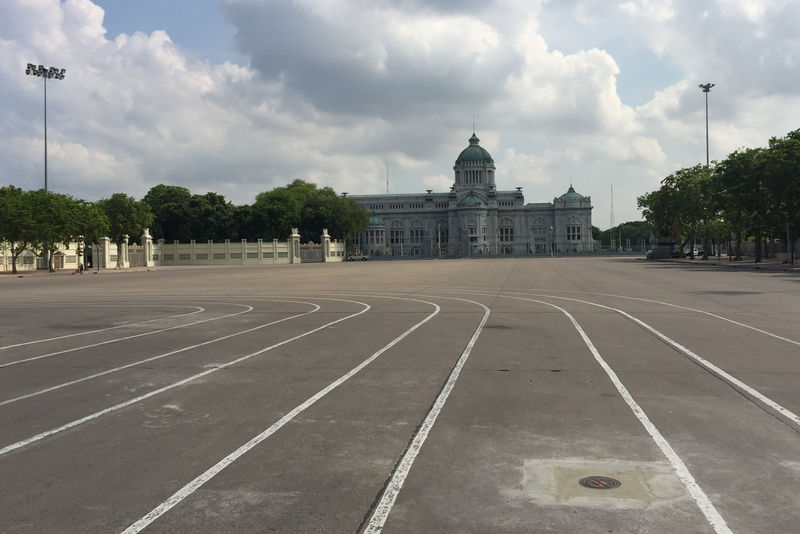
(338, 89)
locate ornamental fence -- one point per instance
(105, 255)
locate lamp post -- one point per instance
(44, 73)
(706, 87)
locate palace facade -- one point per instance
(474, 218)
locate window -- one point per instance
(396, 233)
(573, 233)
(506, 233)
(573, 229)
(375, 237)
(417, 233)
(472, 232)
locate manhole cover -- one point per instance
(600, 482)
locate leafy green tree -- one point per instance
(169, 205)
(303, 206)
(275, 213)
(16, 222)
(741, 194)
(659, 208)
(126, 216)
(211, 217)
(783, 171)
(340, 215)
(89, 222)
(54, 219)
(633, 230)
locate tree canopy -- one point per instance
(754, 193)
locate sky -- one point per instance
(242, 96)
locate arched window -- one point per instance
(396, 233)
(506, 233)
(573, 229)
(417, 233)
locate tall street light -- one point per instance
(42, 72)
(58, 74)
(706, 87)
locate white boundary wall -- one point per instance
(65, 257)
(149, 254)
(244, 253)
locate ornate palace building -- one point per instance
(474, 218)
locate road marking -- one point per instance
(701, 499)
(198, 310)
(720, 373)
(51, 354)
(114, 370)
(384, 506)
(791, 416)
(72, 424)
(737, 323)
(195, 484)
(720, 317)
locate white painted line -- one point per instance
(701, 499)
(720, 317)
(735, 382)
(195, 484)
(116, 407)
(197, 308)
(65, 351)
(788, 414)
(737, 323)
(140, 362)
(384, 506)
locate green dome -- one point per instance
(571, 194)
(474, 153)
(472, 200)
(374, 220)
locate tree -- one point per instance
(54, 216)
(658, 208)
(276, 212)
(126, 217)
(16, 222)
(340, 215)
(169, 205)
(89, 222)
(783, 171)
(741, 196)
(211, 217)
(633, 230)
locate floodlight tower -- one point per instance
(45, 73)
(706, 87)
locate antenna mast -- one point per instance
(387, 176)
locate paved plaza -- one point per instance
(430, 396)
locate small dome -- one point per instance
(571, 193)
(474, 153)
(472, 200)
(374, 220)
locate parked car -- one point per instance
(357, 257)
(693, 252)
